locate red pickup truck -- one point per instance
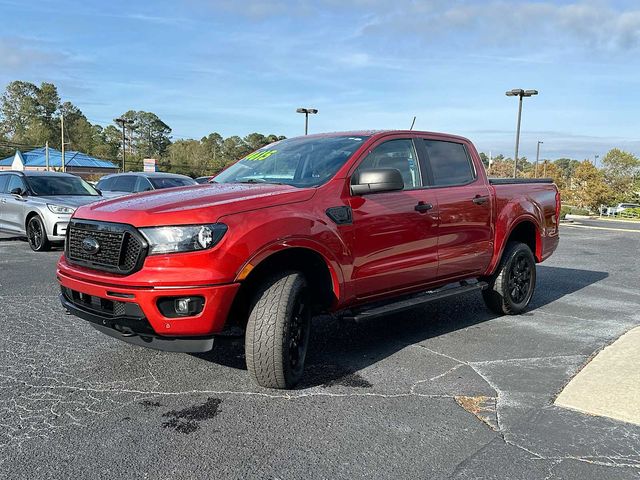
(360, 224)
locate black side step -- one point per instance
(414, 301)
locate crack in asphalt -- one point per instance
(44, 400)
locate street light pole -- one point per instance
(306, 112)
(123, 122)
(518, 92)
(537, 159)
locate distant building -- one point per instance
(78, 163)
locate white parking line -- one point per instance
(601, 228)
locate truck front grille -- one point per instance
(117, 248)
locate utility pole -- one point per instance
(123, 122)
(46, 154)
(518, 92)
(595, 160)
(62, 143)
(537, 159)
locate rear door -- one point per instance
(465, 237)
(14, 206)
(395, 244)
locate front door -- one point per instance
(395, 245)
(4, 180)
(13, 205)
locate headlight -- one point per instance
(59, 209)
(187, 238)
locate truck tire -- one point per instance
(37, 235)
(511, 286)
(277, 334)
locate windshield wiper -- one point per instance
(255, 180)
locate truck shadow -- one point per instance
(339, 349)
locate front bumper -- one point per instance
(132, 314)
(56, 225)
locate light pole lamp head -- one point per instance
(515, 92)
(307, 110)
(530, 93)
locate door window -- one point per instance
(105, 184)
(126, 183)
(4, 180)
(449, 162)
(15, 182)
(398, 154)
(143, 185)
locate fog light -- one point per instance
(173, 307)
(184, 306)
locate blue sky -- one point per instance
(236, 67)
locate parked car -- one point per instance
(621, 207)
(204, 179)
(40, 204)
(359, 224)
(134, 182)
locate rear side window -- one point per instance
(4, 179)
(449, 162)
(126, 183)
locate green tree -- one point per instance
(152, 135)
(28, 112)
(622, 174)
(587, 188)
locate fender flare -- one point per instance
(335, 270)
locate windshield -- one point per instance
(53, 185)
(301, 162)
(169, 182)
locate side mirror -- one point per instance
(17, 191)
(376, 180)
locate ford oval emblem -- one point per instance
(90, 245)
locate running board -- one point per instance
(417, 300)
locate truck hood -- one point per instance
(193, 204)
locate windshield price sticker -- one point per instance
(260, 155)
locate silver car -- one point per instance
(38, 205)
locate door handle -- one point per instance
(423, 207)
(480, 200)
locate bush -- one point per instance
(631, 213)
(567, 210)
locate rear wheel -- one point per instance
(37, 235)
(278, 328)
(512, 285)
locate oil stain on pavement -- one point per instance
(188, 419)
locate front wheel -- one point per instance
(37, 235)
(511, 286)
(277, 333)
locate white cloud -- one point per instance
(585, 24)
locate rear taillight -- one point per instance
(558, 205)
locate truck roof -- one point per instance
(380, 133)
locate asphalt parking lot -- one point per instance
(446, 391)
